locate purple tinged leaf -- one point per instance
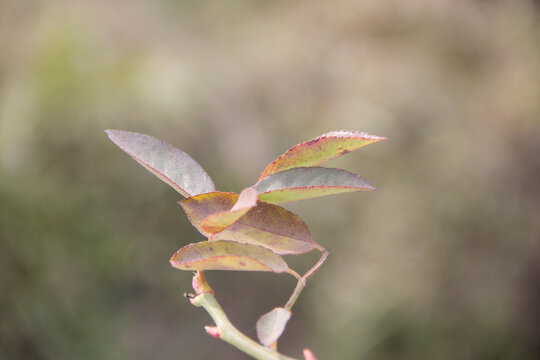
(271, 325)
(228, 255)
(320, 150)
(266, 224)
(308, 182)
(273, 227)
(168, 163)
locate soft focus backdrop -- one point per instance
(442, 262)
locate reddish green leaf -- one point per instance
(219, 221)
(320, 150)
(308, 182)
(273, 227)
(271, 325)
(199, 207)
(266, 224)
(168, 163)
(228, 255)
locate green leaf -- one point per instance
(320, 150)
(266, 224)
(308, 182)
(271, 325)
(220, 221)
(228, 255)
(168, 163)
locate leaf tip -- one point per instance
(349, 134)
(370, 187)
(112, 133)
(247, 199)
(172, 260)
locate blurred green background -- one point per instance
(442, 262)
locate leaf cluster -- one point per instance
(250, 231)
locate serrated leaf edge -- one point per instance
(335, 133)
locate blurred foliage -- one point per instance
(442, 262)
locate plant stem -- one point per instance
(302, 282)
(225, 330)
(296, 293)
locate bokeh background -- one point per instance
(442, 262)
